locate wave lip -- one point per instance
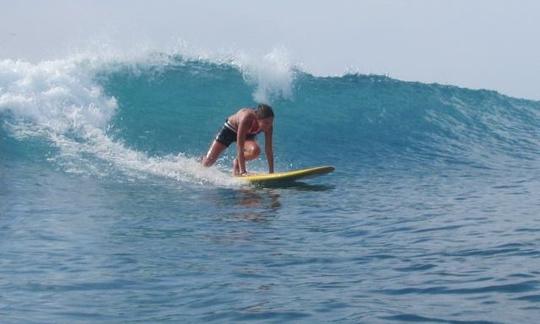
(61, 102)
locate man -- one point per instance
(242, 127)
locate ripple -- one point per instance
(418, 319)
(509, 288)
(417, 267)
(441, 228)
(529, 298)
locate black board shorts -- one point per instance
(227, 135)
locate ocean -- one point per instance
(432, 214)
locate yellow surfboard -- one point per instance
(287, 176)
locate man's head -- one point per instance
(265, 116)
(264, 111)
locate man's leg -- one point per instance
(251, 150)
(213, 153)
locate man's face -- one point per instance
(266, 124)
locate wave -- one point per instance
(155, 114)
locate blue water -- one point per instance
(432, 214)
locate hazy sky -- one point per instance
(490, 44)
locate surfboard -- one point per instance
(287, 176)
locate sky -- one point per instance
(487, 44)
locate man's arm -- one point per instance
(268, 149)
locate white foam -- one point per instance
(55, 94)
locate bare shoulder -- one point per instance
(245, 112)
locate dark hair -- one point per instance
(264, 111)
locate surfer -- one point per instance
(242, 127)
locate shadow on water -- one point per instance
(258, 198)
(258, 203)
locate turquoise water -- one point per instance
(431, 215)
